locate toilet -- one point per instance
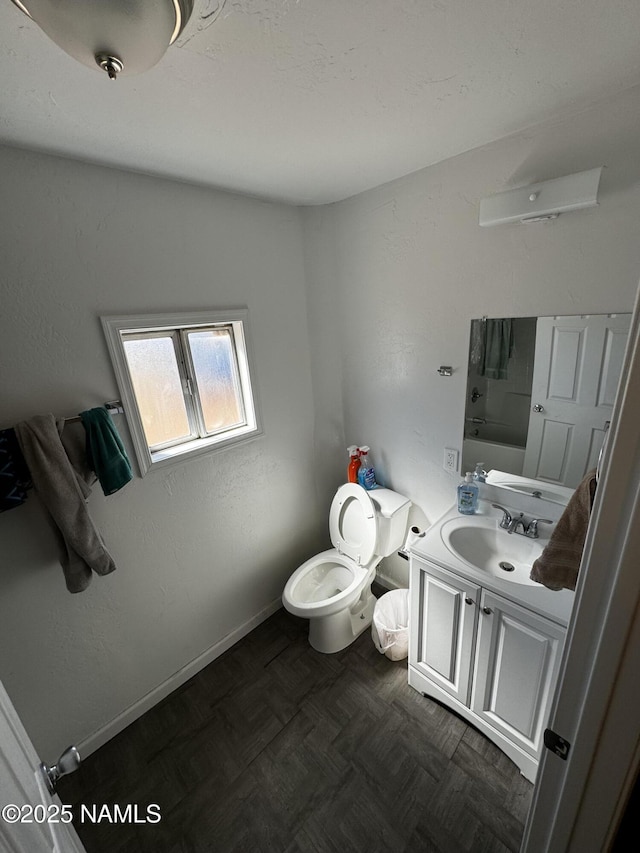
(333, 589)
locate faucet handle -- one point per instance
(507, 518)
(532, 527)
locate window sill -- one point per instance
(198, 447)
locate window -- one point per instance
(185, 382)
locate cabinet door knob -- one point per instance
(468, 600)
(487, 610)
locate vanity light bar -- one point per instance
(542, 201)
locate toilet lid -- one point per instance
(353, 523)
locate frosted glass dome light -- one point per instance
(119, 36)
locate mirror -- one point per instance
(540, 393)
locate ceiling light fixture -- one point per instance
(119, 36)
(544, 201)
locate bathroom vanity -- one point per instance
(485, 639)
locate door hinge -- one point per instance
(556, 744)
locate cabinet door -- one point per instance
(445, 608)
(517, 660)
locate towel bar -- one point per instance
(114, 407)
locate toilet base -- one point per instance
(330, 634)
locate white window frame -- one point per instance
(115, 327)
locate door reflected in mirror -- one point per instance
(540, 393)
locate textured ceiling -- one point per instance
(312, 101)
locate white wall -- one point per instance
(412, 267)
(201, 547)
(330, 445)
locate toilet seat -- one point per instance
(325, 584)
(353, 524)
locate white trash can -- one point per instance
(390, 626)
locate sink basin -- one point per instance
(479, 542)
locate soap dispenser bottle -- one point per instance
(480, 475)
(468, 495)
(354, 464)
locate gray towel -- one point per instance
(57, 484)
(557, 567)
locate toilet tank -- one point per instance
(393, 515)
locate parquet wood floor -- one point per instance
(275, 748)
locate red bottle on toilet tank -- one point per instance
(354, 464)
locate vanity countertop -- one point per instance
(547, 602)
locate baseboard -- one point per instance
(385, 581)
(117, 724)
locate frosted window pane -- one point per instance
(158, 389)
(214, 366)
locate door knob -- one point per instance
(68, 762)
(487, 610)
(538, 408)
(468, 600)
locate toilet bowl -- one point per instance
(333, 588)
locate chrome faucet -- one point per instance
(518, 523)
(506, 516)
(508, 521)
(532, 527)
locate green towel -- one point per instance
(498, 345)
(105, 452)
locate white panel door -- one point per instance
(445, 611)
(31, 820)
(517, 660)
(577, 367)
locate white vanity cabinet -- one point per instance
(491, 660)
(444, 609)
